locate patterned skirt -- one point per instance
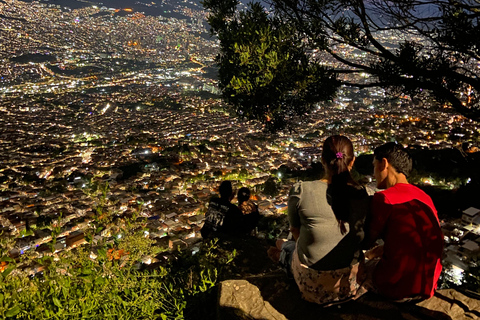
(329, 287)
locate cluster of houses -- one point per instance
(49, 224)
(462, 243)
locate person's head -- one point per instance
(337, 155)
(392, 164)
(243, 195)
(226, 190)
(338, 159)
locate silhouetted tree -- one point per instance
(425, 49)
(265, 71)
(271, 188)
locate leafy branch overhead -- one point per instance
(265, 71)
(273, 66)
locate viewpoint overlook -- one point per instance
(115, 135)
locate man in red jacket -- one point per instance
(405, 218)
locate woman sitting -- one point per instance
(327, 259)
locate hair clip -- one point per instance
(339, 155)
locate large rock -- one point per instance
(274, 297)
(238, 299)
(454, 304)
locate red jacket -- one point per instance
(405, 218)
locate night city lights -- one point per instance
(111, 115)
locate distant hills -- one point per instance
(154, 8)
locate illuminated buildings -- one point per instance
(82, 90)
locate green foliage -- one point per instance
(75, 286)
(274, 227)
(106, 280)
(265, 72)
(271, 187)
(241, 176)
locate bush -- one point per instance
(76, 284)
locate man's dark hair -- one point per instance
(225, 189)
(396, 155)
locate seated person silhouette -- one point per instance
(222, 216)
(248, 208)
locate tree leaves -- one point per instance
(57, 302)
(7, 265)
(265, 72)
(12, 312)
(412, 47)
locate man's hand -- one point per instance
(376, 252)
